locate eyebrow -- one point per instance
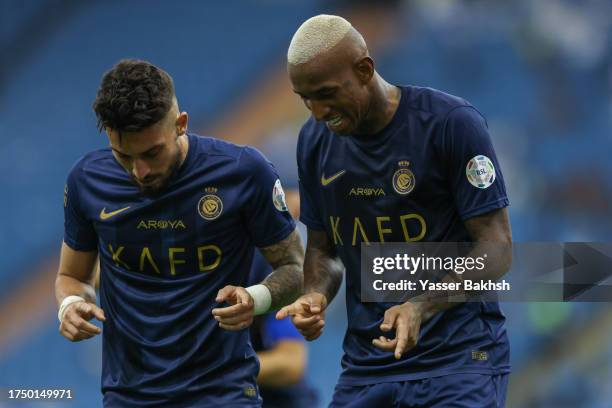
(323, 89)
(157, 146)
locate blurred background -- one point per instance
(540, 71)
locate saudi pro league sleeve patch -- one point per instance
(278, 196)
(480, 171)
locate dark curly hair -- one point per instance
(133, 95)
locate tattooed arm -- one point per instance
(287, 259)
(492, 235)
(323, 272)
(284, 284)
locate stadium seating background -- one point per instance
(541, 72)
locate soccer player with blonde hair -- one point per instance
(428, 164)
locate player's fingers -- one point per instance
(84, 335)
(98, 312)
(243, 296)
(303, 322)
(234, 319)
(401, 335)
(75, 309)
(389, 319)
(67, 335)
(65, 331)
(313, 329)
(297, 307)
(313, 304)
(284, 312)
(84, 326)
(69, 331)
(231, 311)
(87, 310)
(224, 293)
(385, 345)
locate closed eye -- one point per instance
(151, 154)
(122, 156)
(326, 94)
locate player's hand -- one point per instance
(237, 316)
(307, 314)
(406, 320)
(75, 324)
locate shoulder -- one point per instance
(89, 162)
(435, 102)
(210, 151)
(213, 147)
(252, 160)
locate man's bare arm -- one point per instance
(287, 259)
(323, 272)
(283, 365)
(323, 269)
(75, 277)
(492, 235)
(76, 274)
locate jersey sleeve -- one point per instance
(309, 211)
(266, 213)
(79, 233)
(473, 170)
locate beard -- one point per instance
(163, 180)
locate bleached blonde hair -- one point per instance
(315, 36)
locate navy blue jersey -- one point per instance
(466, 391)
(266, 332)
(164, 259)
(431, 168)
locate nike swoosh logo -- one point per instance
(326, 181)
(105, 216)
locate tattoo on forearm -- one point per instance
(287, 259)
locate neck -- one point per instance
(383, 104)
(183, 142)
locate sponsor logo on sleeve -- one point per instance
(480, 171)
(278, 197)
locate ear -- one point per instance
(364, 69)
(181, 123)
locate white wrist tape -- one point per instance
(68, 300)
(262, 298)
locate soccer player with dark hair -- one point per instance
(384, 163)
(175, 219)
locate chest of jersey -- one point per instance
(189, 230)
(381, 192)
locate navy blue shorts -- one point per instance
(449, 391)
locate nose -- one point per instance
(319, 110)
(140, 169)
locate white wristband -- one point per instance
(68, 300)
(262, 298)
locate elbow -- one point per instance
(507, 253)
(294, 374)
(291, 357)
